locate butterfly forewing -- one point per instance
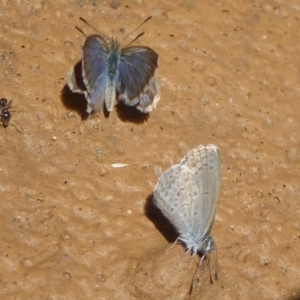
(137, 66)
(177, 196)
(204, 163)
(94, 62)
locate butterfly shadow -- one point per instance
(159, 220)
(76, 101)
(130, 114)
(296, 296)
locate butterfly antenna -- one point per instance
(88, 24)
(146, 20)
(210, 278)
(196, 278)
(216, 265)
(135, 39)
(80, 30)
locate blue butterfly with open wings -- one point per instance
(110, 72)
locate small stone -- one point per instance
(103, 171)
(99, 151)
(67, 276)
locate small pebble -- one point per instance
(99, 151)
(103, 171)
(67, 275)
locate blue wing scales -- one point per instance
(137, 67)
(94, 63)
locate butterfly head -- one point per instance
(207, 245)
(114, 44)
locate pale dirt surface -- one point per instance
(73, 227)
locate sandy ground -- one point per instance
(73, 227)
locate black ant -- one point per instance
(5, 113)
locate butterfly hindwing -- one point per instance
(137, 67)
(204, 163)
(94, 64)
(177, 195)
(148, 99)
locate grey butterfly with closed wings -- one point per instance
(187, 194)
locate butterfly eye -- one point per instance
(207, 245)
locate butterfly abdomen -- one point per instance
(110, 96)
(112, 73)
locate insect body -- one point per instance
(110, 72)
(5, 114)
(187, 194)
